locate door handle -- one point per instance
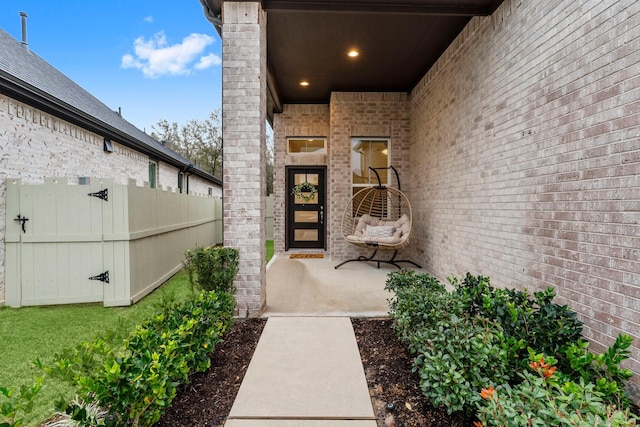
(321, 214)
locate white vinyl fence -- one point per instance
(100, 242)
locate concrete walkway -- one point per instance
(305, 372)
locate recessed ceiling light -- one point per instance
(353, 53)
(304, 83)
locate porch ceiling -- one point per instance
(398, 41)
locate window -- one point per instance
(306, 146)
(366, 153)
(180, 181)
(153, 173)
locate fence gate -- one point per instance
(54, 242)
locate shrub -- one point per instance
(137, 381)
(527, 322)
(419, 302)
(546, 397)
(14, 404)
(602, 369)
(212, 268)
(464, 355)
(476, 335)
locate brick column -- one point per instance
(244, 131)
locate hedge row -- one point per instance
(506, 356)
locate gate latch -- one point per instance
(103, 277)
(102, 194)
(22, 220)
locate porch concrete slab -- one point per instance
(304, 368)
(313, 287)
(300, 423)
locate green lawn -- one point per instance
(269, 250)
(39, 332)
(29, 333)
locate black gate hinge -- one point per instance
(103, 277)
(102, 194)
(22, 220)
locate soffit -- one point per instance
(398, 42)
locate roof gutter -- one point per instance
(213, 12)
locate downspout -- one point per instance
(188, 174)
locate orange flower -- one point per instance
(477, 424)
(539, 365)
(487, 393)
(549, 372)
(543, 368)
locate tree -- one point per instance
(199, 141)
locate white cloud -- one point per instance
(208, 61)
(155, 57)
(148, 19)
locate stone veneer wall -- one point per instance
(34, 145)
(526, 158)
(362, 115)
(294, 121)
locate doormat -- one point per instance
(306, 256)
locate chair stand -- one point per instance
(392, 260)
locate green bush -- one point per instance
(476, 335)
(420, 301)
(212, 268)
(137, 381)
(602, 369)
(464, 355)
(13, 405)
(546, 397)
(536, 322)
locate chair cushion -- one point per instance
(379, 231)
(362, 224)
(402, 226)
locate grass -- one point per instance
(31, 333)
(40, 332)
(269, 250)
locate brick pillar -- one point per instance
(244, 103)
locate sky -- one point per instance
(153, 59)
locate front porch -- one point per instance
(517, 144)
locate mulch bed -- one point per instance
(207, 400)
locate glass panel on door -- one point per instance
(305, 211)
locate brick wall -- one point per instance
(34, 145)
(526, 158)
(348, 115)
(244, 128)
(294, 121)
(362, 115)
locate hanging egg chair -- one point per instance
(379, 218)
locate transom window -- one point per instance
(306, 146)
